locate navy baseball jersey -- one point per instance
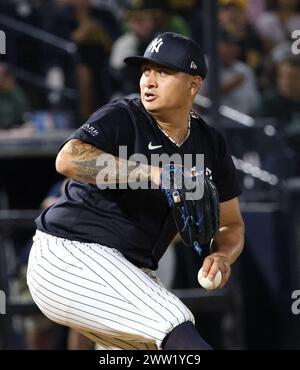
(138, 223)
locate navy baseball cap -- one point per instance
(174, 51)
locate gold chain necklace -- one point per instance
(173, 141)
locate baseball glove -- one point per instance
(196, 215)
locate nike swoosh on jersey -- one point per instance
(152, 147)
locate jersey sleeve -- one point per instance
(226, 177)
(107, 129)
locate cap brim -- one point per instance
(138, 61)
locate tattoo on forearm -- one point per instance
(84, 158)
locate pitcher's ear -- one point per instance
(195, 84)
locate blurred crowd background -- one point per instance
(64, 60)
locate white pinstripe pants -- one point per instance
(96, 291)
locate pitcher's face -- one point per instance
(165, 89)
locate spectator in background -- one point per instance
(144, 19)
(22, 49)
(94, 43)
(255, 8)
(238, 84)
(141, 29)
(192, 12)
(234, 20)
(170, 21)
(283, 103)
(13, 101)
(94, 31)
(276, 25)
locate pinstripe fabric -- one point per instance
(95, 290)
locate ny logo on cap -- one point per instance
(155, 45)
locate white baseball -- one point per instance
(210, 284)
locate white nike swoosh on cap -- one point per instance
(151, 147)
